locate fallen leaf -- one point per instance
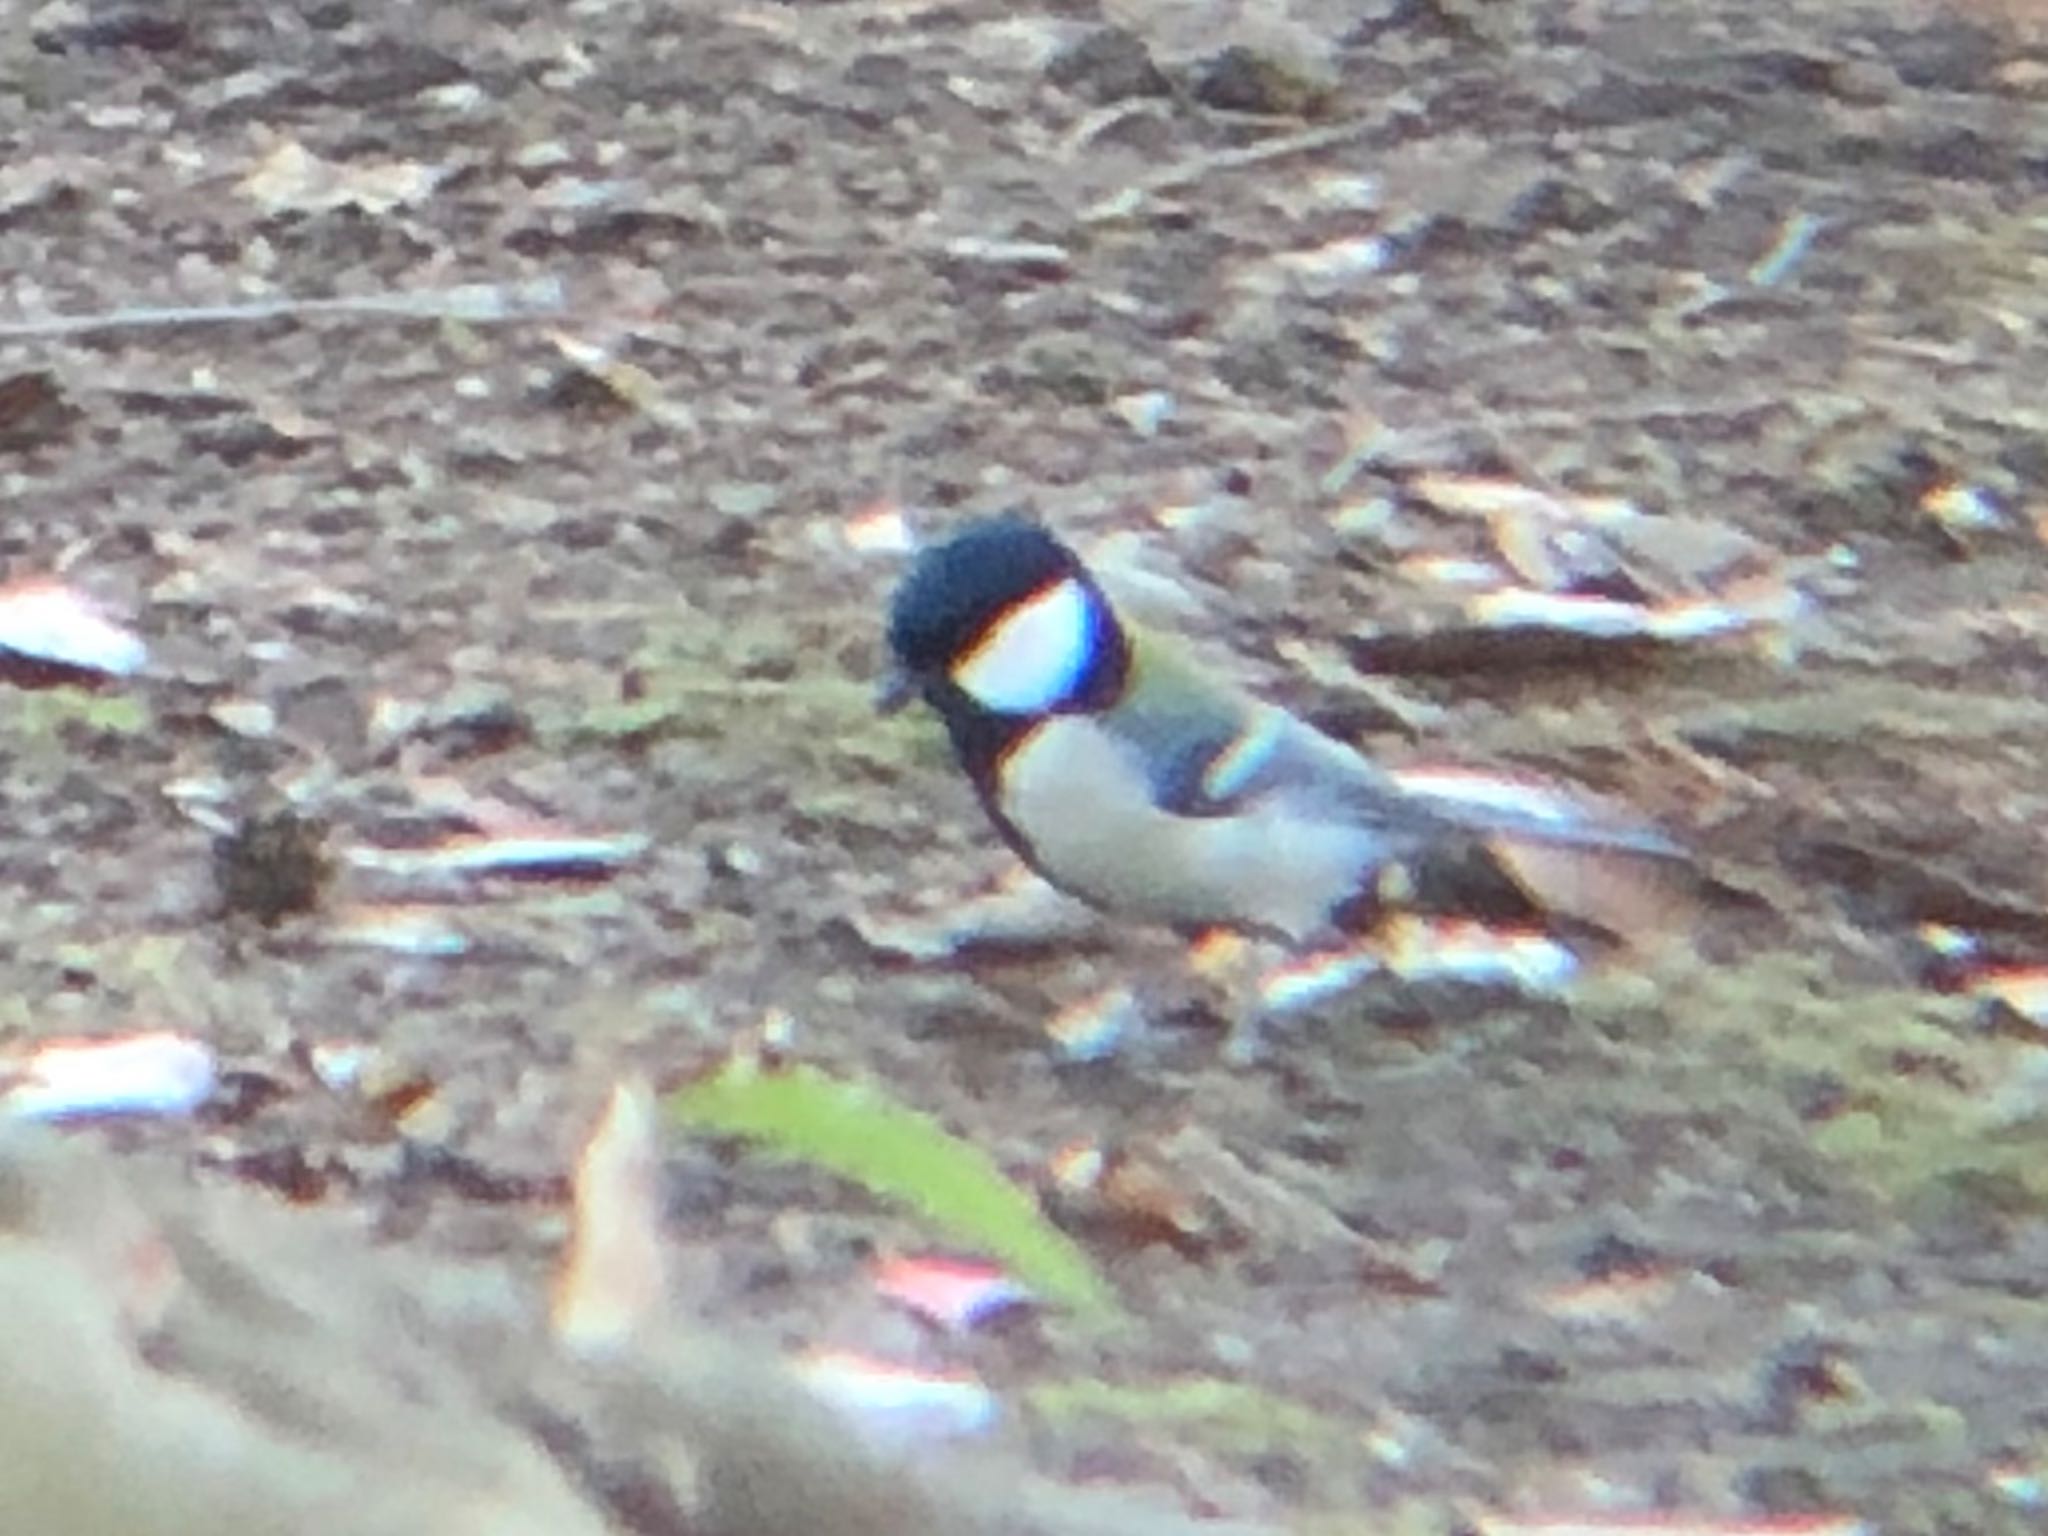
(615, 1275)
(159, 1073)
(292, 179)
(856, 1131)
(46, 621)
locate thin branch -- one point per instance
(471, 303)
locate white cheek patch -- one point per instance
(1035, 655)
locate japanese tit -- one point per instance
(1127, 776)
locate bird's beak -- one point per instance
(898, 688)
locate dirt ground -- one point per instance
(1759, 1231)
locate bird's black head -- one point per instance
(1001, 618)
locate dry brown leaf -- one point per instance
(292, 179)
(615, 1275)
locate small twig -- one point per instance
(1122, 204)
(473, 303)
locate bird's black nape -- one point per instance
(956, 588)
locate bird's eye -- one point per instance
(1035, 655)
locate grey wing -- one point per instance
(1209, 750)
(1268, 755)
(1275, 754)
(1213, 751)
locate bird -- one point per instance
(1129, 775)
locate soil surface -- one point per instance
(1214, 288)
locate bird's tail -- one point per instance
(1576, 858)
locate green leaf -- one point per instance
(891, 1150)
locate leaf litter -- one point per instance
(1784, 290)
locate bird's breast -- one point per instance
(1080, 801)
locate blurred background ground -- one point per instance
(1760, 1232)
